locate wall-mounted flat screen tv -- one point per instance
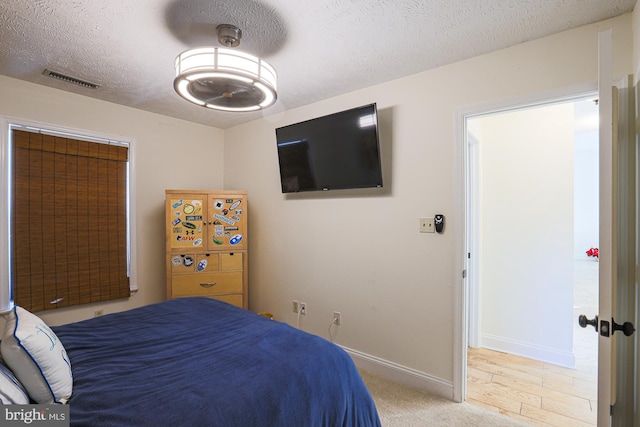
(333, 152)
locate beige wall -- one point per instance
(360, 253)
(163, 149)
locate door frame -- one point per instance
(463, 294)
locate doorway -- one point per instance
(533, 217)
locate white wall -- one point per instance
(164, 150)
(360, 253)
(586, 188)
(527, 232)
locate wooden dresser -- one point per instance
(206, 245)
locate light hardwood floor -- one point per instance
(535, 392)
(539, 393)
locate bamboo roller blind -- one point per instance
(69, 221)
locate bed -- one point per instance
(202, 362)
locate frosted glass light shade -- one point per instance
(225, 79)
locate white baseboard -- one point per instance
(531, 351)
(401, 374)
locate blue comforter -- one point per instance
(200, 362)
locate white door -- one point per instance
(606, 244)
(616, 249)
(624, 298)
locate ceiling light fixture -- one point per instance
(225, 79)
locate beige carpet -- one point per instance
(402, 406)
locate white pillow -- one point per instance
(11, 391)
(37, 357)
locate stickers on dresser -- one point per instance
(229, 212)
(187, 262)
(202, 266)
(187, 221)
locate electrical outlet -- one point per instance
(336, 318)
(427, 225)
(296, 306)
(303, 308)
(98, 313)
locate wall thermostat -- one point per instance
(438, 219)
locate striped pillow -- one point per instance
(11, 391)
(37, 357)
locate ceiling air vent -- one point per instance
(70, 79)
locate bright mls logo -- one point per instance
(35, 415)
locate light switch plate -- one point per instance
(427, 225)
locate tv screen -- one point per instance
(333, 152)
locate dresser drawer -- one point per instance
(206, 283)
(190, 263)
(231, 261)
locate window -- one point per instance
(69, 220)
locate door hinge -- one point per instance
(464, 274)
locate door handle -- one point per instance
(583, 322)
(627, 328)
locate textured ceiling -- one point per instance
(320, 48)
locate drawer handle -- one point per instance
(207, 285)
